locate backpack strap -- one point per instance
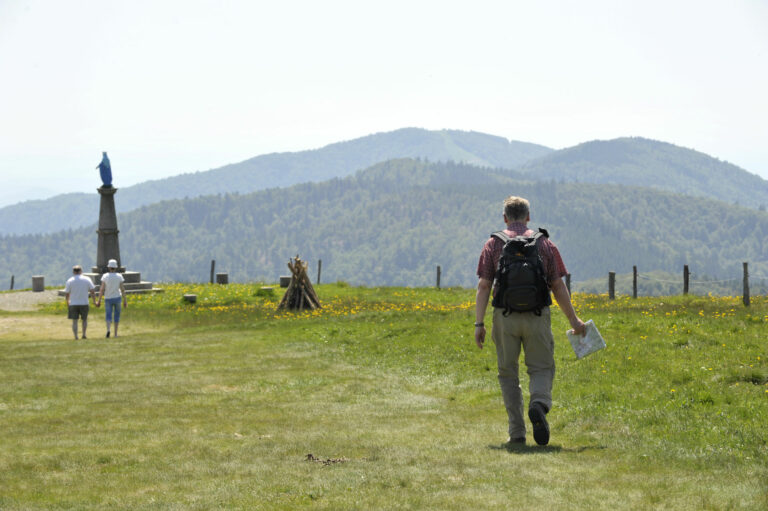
(539, 235)
(501, 235)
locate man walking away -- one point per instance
(78, 289)
(112, 289)
(517, 323)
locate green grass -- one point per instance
(218, 405)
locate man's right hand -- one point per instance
(479, 336)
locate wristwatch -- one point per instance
(479, 324)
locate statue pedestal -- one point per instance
(132, 281)
(109, 245)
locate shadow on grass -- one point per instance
(538, 449)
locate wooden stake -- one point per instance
(634, 282)
(746, 284)
(612, 285)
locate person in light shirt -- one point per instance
(77, 291)
(113, 291)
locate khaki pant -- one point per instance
(534, 334)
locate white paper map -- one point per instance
(590, 343)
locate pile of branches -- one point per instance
(300, 294)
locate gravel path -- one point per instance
(27, 300)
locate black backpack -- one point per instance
(521, 284)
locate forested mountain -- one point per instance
(643, 162)
(628, 161)
(394, 223)
(271, 171)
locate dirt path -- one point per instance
(22, 325)
(27, 300)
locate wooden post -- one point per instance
(438, 276)
(612, 285)
(213, 267)
(12, 279)
(686, 276)
(568, 282)
(746, 284)
(634, 282)
(319, 269)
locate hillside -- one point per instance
(271, 171)
(380, 400)
(395, 222)
(642, 162)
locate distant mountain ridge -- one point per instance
(643, 162)
(626, 161)
(393, 223)
(272, 171)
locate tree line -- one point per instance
(395, 222)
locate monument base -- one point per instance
(132, 282)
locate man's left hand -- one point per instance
(579, 327)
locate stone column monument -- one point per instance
(109, 244)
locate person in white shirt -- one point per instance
(113, 290)
(77, 291)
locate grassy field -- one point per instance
(379, 401)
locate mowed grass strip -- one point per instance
(221, 406)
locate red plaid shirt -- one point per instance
(554, 267)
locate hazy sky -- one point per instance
(173, 86)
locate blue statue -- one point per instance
(105, 169)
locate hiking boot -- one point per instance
(515, 441)
(537, 412)
(107, 334)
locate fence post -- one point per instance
(686, 276)
(568, 282)
(213, 267)
(319, 269)
(634, 282)
(12, 278)
(612, 285)
(438, 276)
(746, 284)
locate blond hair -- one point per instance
(516, 209)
